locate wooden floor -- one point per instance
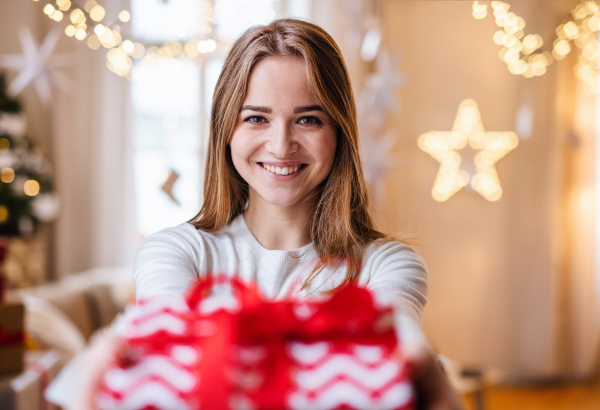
(585, 396)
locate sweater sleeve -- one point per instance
(165, 263)
(399, 275)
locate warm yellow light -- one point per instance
(468, 128)
(124, 16)
(4, 144)
(127, 46)
(70, 30)
(57, 15)
(64, 5)
(518, 67)
(31, 187)
(479, 10)
(4, 209)
(571, 30)
(99, 29)
(538, 68)
(594, 22)
(7, 175)
(530, 42)
(48, 9)
(80, 34)
(77, 17)
(211, 45)
(89, 5)
(499, 37)
(562, 47)
(97, 13)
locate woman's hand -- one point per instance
(433, 389)
(102, 353)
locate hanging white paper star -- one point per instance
(376, 101)
(384, 82)
(37, 66)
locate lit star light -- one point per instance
(468, 128)
(37, 66)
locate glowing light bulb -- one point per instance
(124, 16)
(97, 13)
(31, 187)
(70, 30)
(7, 175)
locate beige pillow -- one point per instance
(51, 328)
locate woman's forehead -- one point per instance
(278, 80)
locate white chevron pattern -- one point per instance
(346, 394)
(167, 376)
(151, 394)
(156, 367)
(363, 378)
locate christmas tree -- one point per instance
(26, 197)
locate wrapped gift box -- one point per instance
(240, 351)
(12, 339)
(24, 391)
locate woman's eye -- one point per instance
(255, 119)
(309, 120)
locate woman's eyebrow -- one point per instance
(257, 108)
(299, 110)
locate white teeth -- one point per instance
(281, 171)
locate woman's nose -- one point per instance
(282, 142)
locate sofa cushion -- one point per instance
(51, 328)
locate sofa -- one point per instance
(63, 315)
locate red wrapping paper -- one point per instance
(244, 352)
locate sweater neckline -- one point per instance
(239, 224)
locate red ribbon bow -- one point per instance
(350, 312)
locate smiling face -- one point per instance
(283, 145)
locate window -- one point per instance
(171, 97)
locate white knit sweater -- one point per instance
(169, 261)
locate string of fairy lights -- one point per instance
(522, 54)
(89, 22)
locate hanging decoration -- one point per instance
(376, 102)
(37, 66)
(467, 129)
(167, 187)
(522, 52)
(377, 99)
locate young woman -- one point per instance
(285, 202)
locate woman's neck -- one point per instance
(279, 227)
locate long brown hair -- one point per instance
(341, 224)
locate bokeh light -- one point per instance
(492, 146)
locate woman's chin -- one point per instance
(282, 200)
